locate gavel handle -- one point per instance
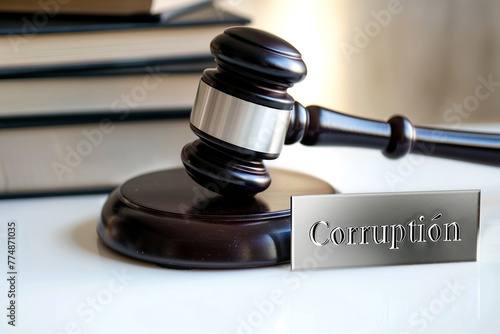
(319, 126)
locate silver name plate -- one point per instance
(340, 231)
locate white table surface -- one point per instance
(69, 282)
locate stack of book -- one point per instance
(95, 92)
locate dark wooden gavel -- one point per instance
(243, 115)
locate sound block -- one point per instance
(168, 219)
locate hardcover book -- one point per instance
(87, 158)
(157, 87)
(69, 42)
(95, 7)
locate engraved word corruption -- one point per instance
(322, 233)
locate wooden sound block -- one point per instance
(168, 219)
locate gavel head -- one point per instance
(242, 111)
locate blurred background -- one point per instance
(432, 61)
(435, 62)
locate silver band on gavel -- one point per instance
(239, 122)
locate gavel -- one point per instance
(243, 115)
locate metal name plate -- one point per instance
(340, 231)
